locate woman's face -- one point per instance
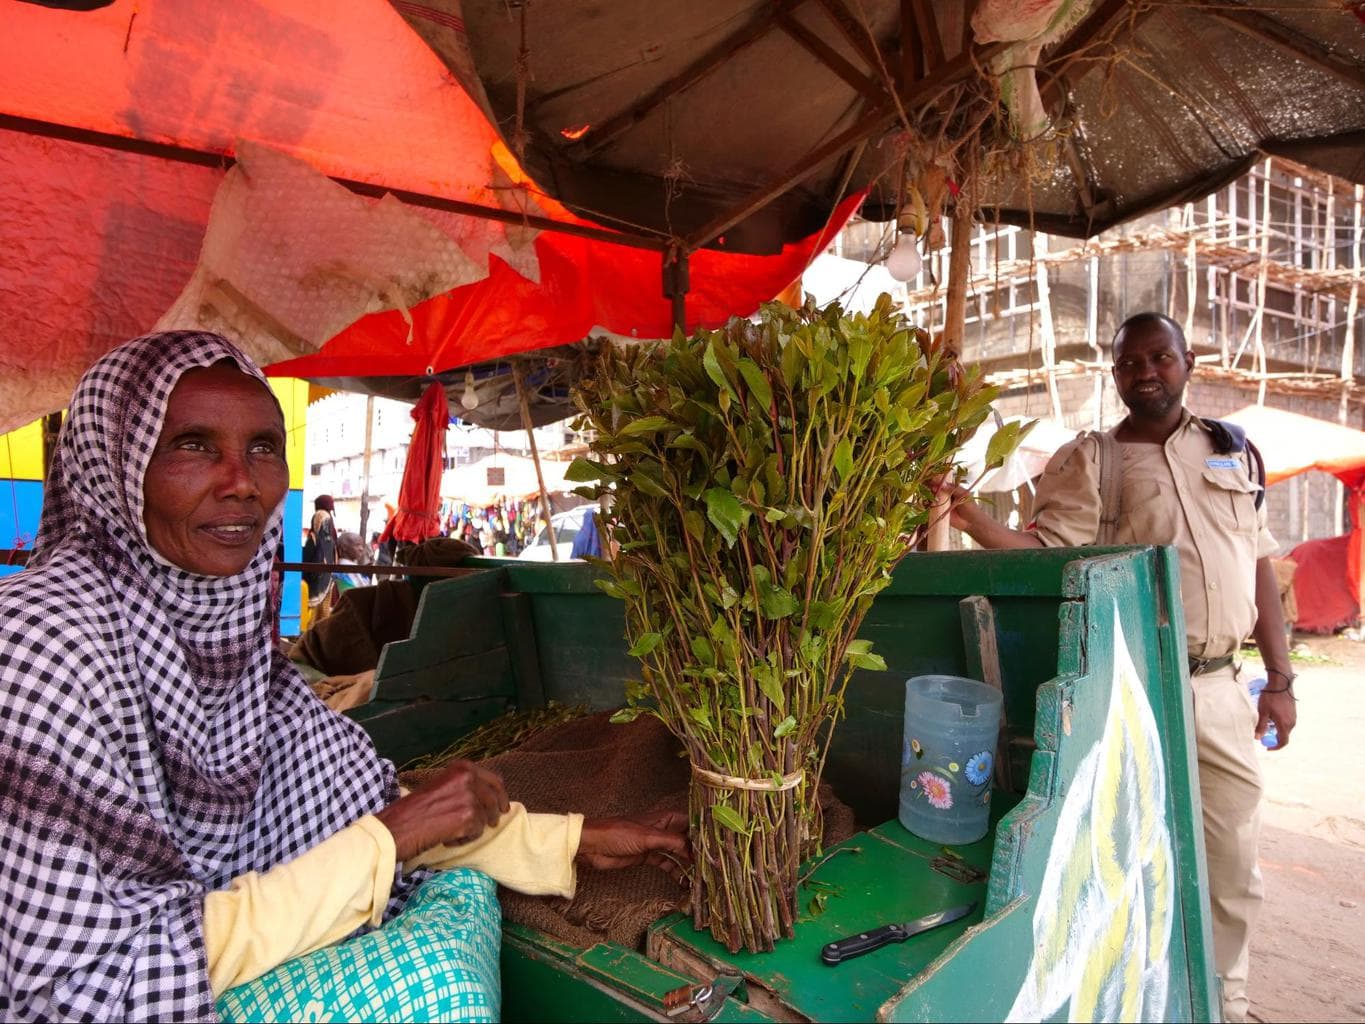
(217, 473)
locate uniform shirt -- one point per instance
(1178, 493)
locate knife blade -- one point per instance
(865, 942)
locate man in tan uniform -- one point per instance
(1176, 489)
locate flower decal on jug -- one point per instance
(979, 768)
(936, 784)
(936, 790)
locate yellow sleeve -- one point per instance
(531, 853)
(316, 899)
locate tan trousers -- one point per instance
(1230, 789)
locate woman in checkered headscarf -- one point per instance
(150, 735)
(156, 751)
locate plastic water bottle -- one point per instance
(1271, 739)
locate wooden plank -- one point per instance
(223, 161)
(930, 39)
(455, 618)
(914, 62)
(409, 731)
(982, 645)
(519, 626)
(879, 876)
(832, 59)
(453, 673)
(484, 674)
(856, 35)
(1268, 30)
(873, 122)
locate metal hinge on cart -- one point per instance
(694, 1003)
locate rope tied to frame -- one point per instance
(769, 785)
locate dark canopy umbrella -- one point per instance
(419, 496)
(485, 393)
(740, 123)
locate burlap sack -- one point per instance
(603, 770)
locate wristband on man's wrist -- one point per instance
(1288, 678)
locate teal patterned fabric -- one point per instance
(436, 961)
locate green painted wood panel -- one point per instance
(1097, 868)
(455, 672)
(884, 876)
(544, 979)
(404, 732)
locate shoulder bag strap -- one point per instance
(1111, 486)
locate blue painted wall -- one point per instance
(291, 603)
(21, 501)
(25, 497)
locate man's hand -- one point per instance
(957, 496)
(969, 517)
(454, 807)
(658, 839)
(1278, 708)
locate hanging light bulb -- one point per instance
(904, 263)
(470, 398)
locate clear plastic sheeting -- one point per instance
(291, 258)
(96, 246)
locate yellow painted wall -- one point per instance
(21, 453)
(293, 397)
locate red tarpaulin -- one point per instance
(1292, 444)
(584, 284)
(419, 496)
(1322, 593)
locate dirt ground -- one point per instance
(1308, 950)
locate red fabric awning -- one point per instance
(1292, 444)
(584, 284)
(111, 126)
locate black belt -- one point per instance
(1203, 666)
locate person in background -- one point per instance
(586, 543)
(321, 546)
(1176, 489)
(181, 814)
(350, 551)
(381, 553)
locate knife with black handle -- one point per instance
(865, 942)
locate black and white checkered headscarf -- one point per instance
(152, 744)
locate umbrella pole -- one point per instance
(518, 372)
(954, 327)
(365, 473)
(676, 284)
(52, 430)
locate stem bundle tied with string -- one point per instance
(764, 477)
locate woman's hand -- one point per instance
(658, 839)
(454, 807)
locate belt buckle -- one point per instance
(1197, 665)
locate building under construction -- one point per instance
(1265, 275)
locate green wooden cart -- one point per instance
(1089, 888)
